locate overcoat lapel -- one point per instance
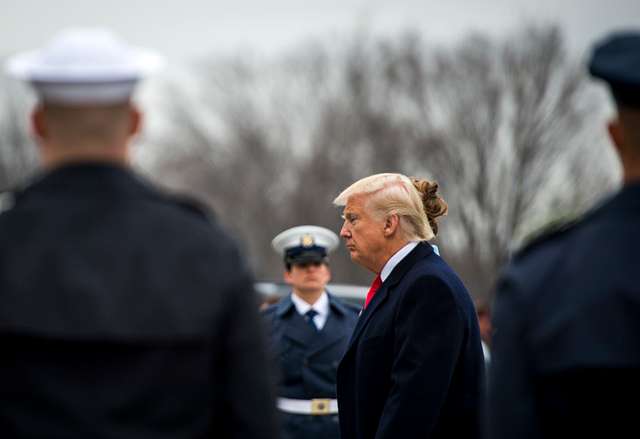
(376, 302)
(422, 250)
(297, 329)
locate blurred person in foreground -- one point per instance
(414, 366)
(310, 329)
(123, 313)
(566, 347)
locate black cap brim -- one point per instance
(306, 258)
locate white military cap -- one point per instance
(305, 244)
(84, 66)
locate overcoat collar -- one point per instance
(286, 304)
(422, 250)
(88, 180)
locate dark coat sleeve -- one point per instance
(512, 408)
(249, 411)
(428, 336)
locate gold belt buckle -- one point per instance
(320, 406)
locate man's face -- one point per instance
(308, 278)
(363, 234)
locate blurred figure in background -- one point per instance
(123, 313)
(310, 330)
(269, 300)
(483, 311)
(414, 367)
(566, 347)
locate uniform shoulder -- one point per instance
(545, 235)
(343, 305)
(176, 200)
(198, 223)
(353, 309)
(197, 219)
(564, 227)
(191, 206)
(275, 311)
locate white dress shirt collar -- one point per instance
(321, 307)
(395, 259)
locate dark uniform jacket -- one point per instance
(566, 351)
(308, 361)
(414, 367)
(125, 315)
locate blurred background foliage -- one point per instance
(511, 128)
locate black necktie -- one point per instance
(308, 317)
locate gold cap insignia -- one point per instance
(307, 241)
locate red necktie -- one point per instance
(372, 291)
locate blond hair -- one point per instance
(414, 201)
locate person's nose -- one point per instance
(344, 231)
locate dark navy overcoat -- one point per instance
(414, 367)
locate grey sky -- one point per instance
(189, 28)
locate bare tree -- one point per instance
(517, 114)
(505, 126)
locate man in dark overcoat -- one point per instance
(309, 331)
(566, 353)
(414, 367)
(124, 313)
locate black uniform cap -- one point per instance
(616, 60)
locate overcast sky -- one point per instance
(186, 29)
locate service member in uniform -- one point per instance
(566, 347)
(123, 313)
(310, 329)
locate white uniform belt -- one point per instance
(318, 406)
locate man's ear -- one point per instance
(135, 120)
(38, 124)
(616, 133)
(391, 224)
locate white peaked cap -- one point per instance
(305, 236)
(84, 66)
